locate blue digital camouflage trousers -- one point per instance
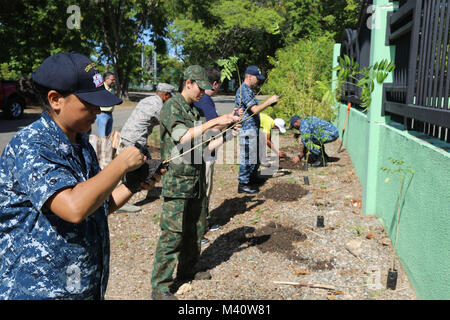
(183, 224)
(249, 155)
(317, 131)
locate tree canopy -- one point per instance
(254, 30)
(30, 31)
(117, 32)
(112, 32)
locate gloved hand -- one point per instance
(143, 150)
(132, 180)
(145, 173)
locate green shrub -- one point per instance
(7, 74)
(302, 77)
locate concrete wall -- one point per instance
(424, 227)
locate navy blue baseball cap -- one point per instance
(254, 70)
(292, 121)
(75, 73)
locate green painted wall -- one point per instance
(354, 142)
(424, 228)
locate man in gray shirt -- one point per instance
(140, 125)
(144, 117)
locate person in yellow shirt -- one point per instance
(267, 124)
(105, 118)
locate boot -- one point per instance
(258, 180)
(319, 163)
(247, 188)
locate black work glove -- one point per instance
(143, 150)
(145, 173)
(132, 180)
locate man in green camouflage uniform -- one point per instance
(183, 217)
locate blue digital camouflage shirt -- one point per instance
(317, 130)
(245, 101)
(41, 255)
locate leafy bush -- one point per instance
(302, 77)
(7, 74)
(365, 78)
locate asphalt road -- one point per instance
(224, 104)
(8, 128)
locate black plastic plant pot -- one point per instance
(306, 179)
(392, 279)
(320, 222)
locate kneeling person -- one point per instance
(317, 131)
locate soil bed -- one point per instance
(284, 192)
(269, 238)
(279, 239)
(288, 164)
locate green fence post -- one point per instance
(378, 51)
(336, 54)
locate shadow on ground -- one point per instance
(152, 195)
(231, 207)
(223, 248)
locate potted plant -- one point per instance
(402, 171)
(321, 137)
(309, 144)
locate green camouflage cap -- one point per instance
(198, 74)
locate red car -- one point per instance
(11, 100)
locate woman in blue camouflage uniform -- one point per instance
(54, 201)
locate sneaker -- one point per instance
(129, 208)
(213, 227)
(163, 296)
(204, 241)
